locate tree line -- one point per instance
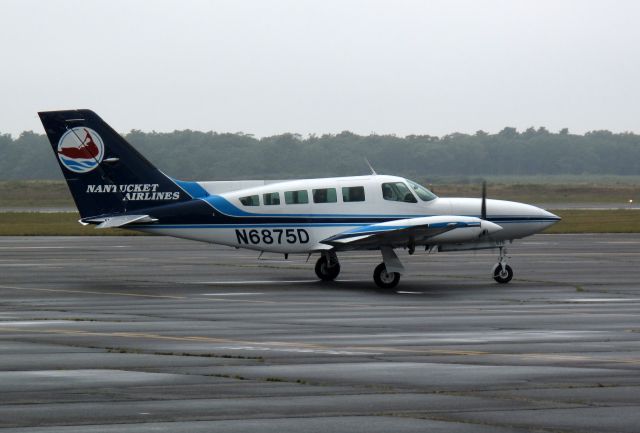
(215, 156)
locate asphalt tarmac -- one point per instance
(133, 334)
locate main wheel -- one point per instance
(326, 272)
(503, 275)
(384, 279)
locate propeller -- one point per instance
(483, 207)
(488, 226)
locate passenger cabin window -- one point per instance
(423, 193)
(324, 195)
(296, 197)
(271, 198)
(353, 193)
(397, 191)
(250, 200)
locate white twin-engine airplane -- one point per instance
(115, 186)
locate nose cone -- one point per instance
(519, 219)
(553, 218)
(545, 219)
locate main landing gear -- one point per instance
(502, 272)
(384, 279)
(387, 274)
(328, 266)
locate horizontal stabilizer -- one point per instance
(120, 221)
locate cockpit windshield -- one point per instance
(421, 191)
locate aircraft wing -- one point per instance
(412, 231)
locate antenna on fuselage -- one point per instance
(373, 172)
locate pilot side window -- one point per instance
(353, 193)
(250, 200)
(271, 198)
(296, 197)
(397, 191)
(324, 195)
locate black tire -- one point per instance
(384, 279)
(501, 276)
(326, 272)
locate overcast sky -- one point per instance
(268, 67)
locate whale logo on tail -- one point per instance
(80, 149)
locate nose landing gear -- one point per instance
(502, 272)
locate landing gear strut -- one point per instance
(502, 272)
(328, 266)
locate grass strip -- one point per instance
(596, 221)
(51, 224)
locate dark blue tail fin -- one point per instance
(105, 174)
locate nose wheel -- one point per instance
(328, 267)
(502, 272)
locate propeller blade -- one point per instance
(483, 208)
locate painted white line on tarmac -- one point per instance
(233, 294)
(271, 282)
(258, 282)
(603, 300)
(37, 248)
(34, 322)
(298, 350)
(58, 247)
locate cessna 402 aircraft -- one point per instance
(115, 186)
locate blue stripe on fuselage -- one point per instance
(194, 189)
(248, 226)
(364, 226)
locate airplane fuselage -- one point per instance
(295, 216)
